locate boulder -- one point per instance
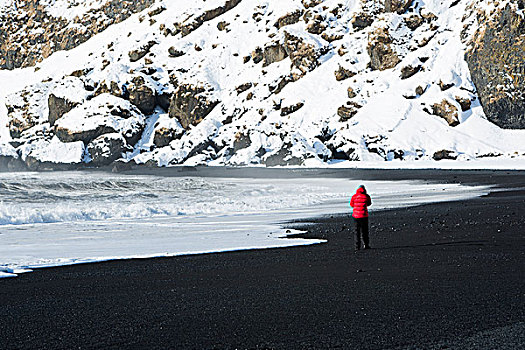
(343, 73)
(465, 103)
(362, 20)
(445, 154)
(190, 105)
(282, 157)
(291, 109)
(351, 92)
(447, 111)
(241, 141)
(58, 106)
(166, 130)
(137, 54)
(496, 60)
(141, 95)
(257, 55)
(103, 114)
(317, 26)
(348, 111)
(107, 148)
(243, 87)
(399, 6)
(382, 55)
(173, 52)
(408, 71)
(413, 22)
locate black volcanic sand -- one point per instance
(439, 276)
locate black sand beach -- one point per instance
(439, 276)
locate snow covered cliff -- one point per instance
(243, 82)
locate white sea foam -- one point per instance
(53, 219)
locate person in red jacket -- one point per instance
(360, 202)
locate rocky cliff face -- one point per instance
(29, 33)
(496, 59)
(242, 82)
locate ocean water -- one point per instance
(59, 218)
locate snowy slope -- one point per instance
(392, 120)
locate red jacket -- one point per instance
(360, 202)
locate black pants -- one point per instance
(361, 228)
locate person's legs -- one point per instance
(364, 228)
(357, 233)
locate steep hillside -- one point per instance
(240, 82)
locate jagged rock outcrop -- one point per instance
(289, 18)
(496, 60)
(190, 105)
(27, 39)
(272, 53)
(304, 56)
(192, 24)
(382, 55)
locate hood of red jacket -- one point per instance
(360, 190)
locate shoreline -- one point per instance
(439, 275)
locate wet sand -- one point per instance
(439, 276)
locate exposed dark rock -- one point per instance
(107, 148)
(190, 105)
(156, 11)
(311, 3)
(246, 59)
(343, 73)
(222, 25)
(163, 136)
(243, 87)
(496, 60)
(399, 6)
(241, 141)
(58, 106)
(443, 86)
(408, 71)
(19, 47)
(331, 37)
(137, 54)
(174, 52)
(142, 96)
(257, 55)
(379, 48)
(273, 53)
(283, 157)
(351, 92)
(465, 103)
(289, 18)
(413, 22)
(447, 111)
(291, 109)
(197, 21)
(445, 154)
(347, 112)
(303, 56)
(317, 26)
(420, 90)
(163, 100)
(362, 20)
